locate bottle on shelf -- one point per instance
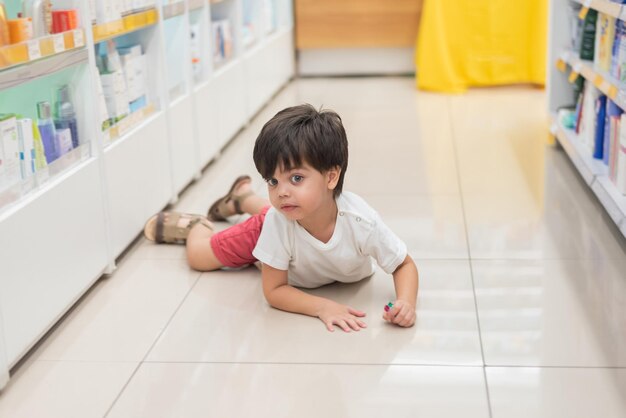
(64, 20)
(47, 16)
(65, 114)
(34, 10)
(20, 29)
(4, 26)
(27, 147)
(47, 131)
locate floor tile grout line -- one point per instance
(490, 366)
(143, 360)
(467, 366)
(288, 363)
(469, 250)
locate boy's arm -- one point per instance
(406, 281)
(282, 296)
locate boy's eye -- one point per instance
(272, 182)
(296, 178)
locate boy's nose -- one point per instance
(283, 191)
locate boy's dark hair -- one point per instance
(300, 134)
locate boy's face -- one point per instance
(300, 192)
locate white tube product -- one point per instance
(35, 10)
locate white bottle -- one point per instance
(35, 10)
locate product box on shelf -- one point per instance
(10, 173)
(269, 16)
(605, 34)
(115, 94)
(194, 49)
(222, 40)
(63, 138)
(26, 147)
(134, 66)
(106, 11)
(142, 4)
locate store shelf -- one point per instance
(613, 201)
(44, 47)
(145, 159)
(138, 181)
(130, 123)
(603, 81)
(268, 39)
(127, 24)
(39, 68)
(196, 4)
(589, 167)
(605, 6)
(173, 9)
(19, 195)
(50, 260)
(225, 66)
(595, 174)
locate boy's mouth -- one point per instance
(288, 208)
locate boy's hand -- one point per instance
(402, 314)
(347, 318)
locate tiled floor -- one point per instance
(522, 304)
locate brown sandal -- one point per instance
(163, 227)
(219, 210)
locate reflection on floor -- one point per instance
(522, 305)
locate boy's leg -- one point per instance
(252, 203)
(200, 255)
(231, 247)
(241, 197)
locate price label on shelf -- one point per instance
(612, 92)
(561, 65)
(79, 39)
(59, 43)
(553, 128)
(583, 12)
(34, 52)
(573, 76)
(598, 80)
(43, 175)
(85, 151)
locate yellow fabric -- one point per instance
(463, 43)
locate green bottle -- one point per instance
(587, 46)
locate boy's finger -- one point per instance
(361, 324)
(399, 317)
(393, 313)
(329, 326)
(356, 312)
(409, 319)
(342, 324)
(353, 325)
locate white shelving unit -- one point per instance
(560, 93)
(60, 231)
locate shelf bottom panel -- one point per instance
(138, 180)
(56, 251)
(595, 174)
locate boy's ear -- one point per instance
(332, 177)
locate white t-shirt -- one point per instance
(359, 239)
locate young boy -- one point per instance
(312, 234)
